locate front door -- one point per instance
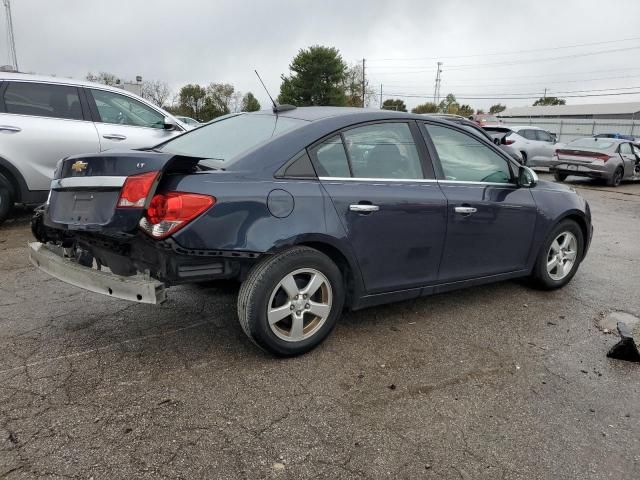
(629, 159)
(392, 210)
(490, 220)
(124, 122)
(41, 123)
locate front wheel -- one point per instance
(559, 257)
(5, 203)
(560, 177)
(616, 178)
(291, 301)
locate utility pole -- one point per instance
(363, 84)
(12, 40)
(545, 93)
(436, 88)
(380, 96)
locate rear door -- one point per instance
(384, 191)
(41, 123)
(490, 220)
(124, 122)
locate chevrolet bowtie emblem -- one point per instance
(79, 166)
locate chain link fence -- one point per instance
(571, 128)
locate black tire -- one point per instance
(616, 178)
(524, 158)
(6, 203)
(540, 276)
(560, 177)
(262, 282)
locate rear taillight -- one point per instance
(136, 189)
(169, 212)
(509, 142)
(604, 157)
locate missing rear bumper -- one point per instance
(136, 288)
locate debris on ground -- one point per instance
(628, 346)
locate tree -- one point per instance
(497, 108)
(317, 78)
(250, 103)
(156, 91)
(353, 88)
(465, 110)
(105, 78)
(428, 107)
(480, 112)
(191, 99)
(218, 101)
(449, 105)
(549, 101)
(394, 104)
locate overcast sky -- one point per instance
(199, 41)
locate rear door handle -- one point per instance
(466, 210)
(364, 208)
(10, 129)
(114, 136)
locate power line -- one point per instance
(512, 52)
(562, 93)
(513, 97)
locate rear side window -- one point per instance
(383, 150)
(625, 149)
(331, 158)
(43, 100)
(464, 158)
(528, 134)
(123, 110)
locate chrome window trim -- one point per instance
(366, 179)
(82, 182)
(417, 180)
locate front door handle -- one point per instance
(114, 136)
(466, 210)
(364, 208)
(10, 129)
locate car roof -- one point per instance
(312, 114)
(27, 77)
(524, 127)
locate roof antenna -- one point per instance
(276, 107)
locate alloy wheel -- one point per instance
(562, 255)
(299, 305)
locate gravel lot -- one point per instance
(492, 382)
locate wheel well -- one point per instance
(341, 261)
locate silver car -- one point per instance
(536, 145)
(610, 159)
(43, 119)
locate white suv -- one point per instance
(43, 119)
(536, 145)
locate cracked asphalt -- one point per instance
(494, 382)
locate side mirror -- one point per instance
(170, 124)
(527, 177)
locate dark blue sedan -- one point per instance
(313, 210)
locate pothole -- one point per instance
(609, 323)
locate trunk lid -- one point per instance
(86, 188)
(581, 156)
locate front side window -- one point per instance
(123, 110)
(464, 158)
(383, 150)
(43, 100)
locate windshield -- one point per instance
(591, 143)
(221, 140)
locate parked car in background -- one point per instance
(610, 159)
(616, 135)
(192, 122)
(312, 209)
(43, 119)
(536, 145)
(478, 130)
(483, 119)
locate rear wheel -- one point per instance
(559, 257)
(6, 202)
(560, 177)
(291, 301)
(616, 178)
